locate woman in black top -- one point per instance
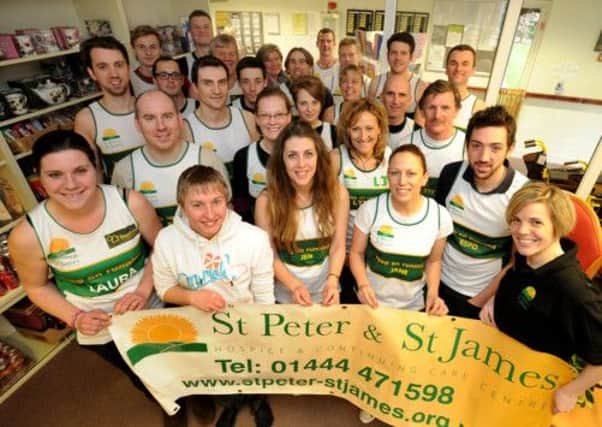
(545, 300)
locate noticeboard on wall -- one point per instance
(245, 27)
(478, 24)
(359, 19)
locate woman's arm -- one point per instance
(434, 304)
(295, 286)
(357, 263)
(330, 294)
(566, 396)
(31, 265)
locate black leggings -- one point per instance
(457, 303)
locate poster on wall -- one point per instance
(359, 19)
(245, 27)
(477, 24)
(299, 24)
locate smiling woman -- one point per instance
(92, 239)
(544, 299)
(305, 212)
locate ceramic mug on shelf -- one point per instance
(17, 101)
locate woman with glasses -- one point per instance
(304, 210)
(273, 114)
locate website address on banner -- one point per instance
(343, 386)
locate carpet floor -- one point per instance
(79, 389)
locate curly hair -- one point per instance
(351, 114)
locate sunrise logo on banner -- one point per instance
(404, 367)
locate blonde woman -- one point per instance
(545, 300)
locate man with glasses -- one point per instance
(146, 43)
(154, 168)
(169, 79)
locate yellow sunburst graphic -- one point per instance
(163, 328)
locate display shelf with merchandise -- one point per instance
(38, 351)
(32, 58)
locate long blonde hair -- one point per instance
(283, 214)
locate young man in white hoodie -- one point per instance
(237, 261)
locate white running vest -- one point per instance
(326, 135)
(256, 172)
(116, 135)
(403, 136)
(329, 76)
(139, 85)
(158, 182)
(465, 112)
(225, 141)
(361, 184)
(398, 248)
(94, 270)
(438, 154)
(188, 109)
(309, 262)
(481, 240)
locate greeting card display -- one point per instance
(8, 47)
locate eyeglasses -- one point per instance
(266, 116)
(164, 75)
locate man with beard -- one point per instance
(108, 124)
(476, 193)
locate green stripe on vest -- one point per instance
(103, 277)
(307, 253)
(477, 245)
(405, 267)
(357, 196)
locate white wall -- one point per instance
(570, 131)
(141, 12)
(569, 38)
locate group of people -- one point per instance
(252, 184)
